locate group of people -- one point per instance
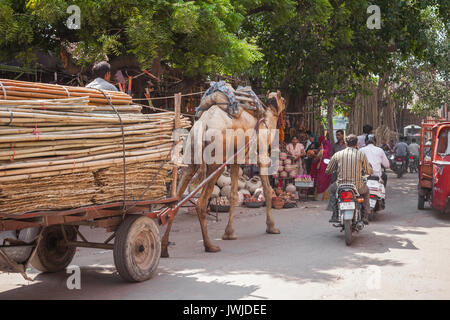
(311, 158)
(346, 161)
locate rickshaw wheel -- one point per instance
(52, 254)
(137, 248)
(421, 203)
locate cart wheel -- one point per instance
(53, 254)
(137, 248)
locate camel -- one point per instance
(217, 119)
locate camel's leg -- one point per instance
(186, 177)
(268, 195)
(229, 230)
(201, 208)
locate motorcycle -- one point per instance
(391, 158)
(413, 164)
(377, 195)
(350, 206)
(399, 166)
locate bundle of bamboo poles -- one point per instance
(22, 90)
(66, 153)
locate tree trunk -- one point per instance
(330, 111)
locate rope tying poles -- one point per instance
(123, 152)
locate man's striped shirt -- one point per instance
(350, 165)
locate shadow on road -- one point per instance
(308, 252)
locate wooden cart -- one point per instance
(136, 248)
(137, 242)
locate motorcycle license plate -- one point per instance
(347, 206)
(399, 163)
(373, 203)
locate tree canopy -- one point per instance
(304, 47)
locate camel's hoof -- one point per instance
(164, 253)
(273, 230)
(229, 236)
(212, 249)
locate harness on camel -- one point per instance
(233, 102)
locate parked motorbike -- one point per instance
(377, 195)
(413, 164)
(350, 206)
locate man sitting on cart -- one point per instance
(102, 72)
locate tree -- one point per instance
(198, 37)
(325, 48)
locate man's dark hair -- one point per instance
(340, 131)
(101, 69)
(402, 138)
(367, 128)
(352, 140)
(413, 140)
(308, 132)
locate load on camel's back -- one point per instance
(224, 115)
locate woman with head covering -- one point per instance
(296, 150)
(322, 180)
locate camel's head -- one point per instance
(276, 102)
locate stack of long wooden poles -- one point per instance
(65, 153)
(18, 90)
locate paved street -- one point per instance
(403, 254)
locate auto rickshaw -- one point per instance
(434, 167)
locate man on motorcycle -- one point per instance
(350, 165)
(367, 129)
(401, 150)
(413, 148)
(376, 157)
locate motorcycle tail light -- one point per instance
(411, 158)
(346, 195)
(372, 196)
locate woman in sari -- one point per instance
(296, 151)
(323, 180)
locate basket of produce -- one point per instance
(277, 202)
(220, 204)
(253, 202)
(304, 181)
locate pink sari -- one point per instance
(323, 179)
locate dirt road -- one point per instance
(403, 254)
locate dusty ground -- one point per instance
(403, 254)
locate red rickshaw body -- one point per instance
(441, 167)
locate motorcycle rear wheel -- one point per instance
(348, 232)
